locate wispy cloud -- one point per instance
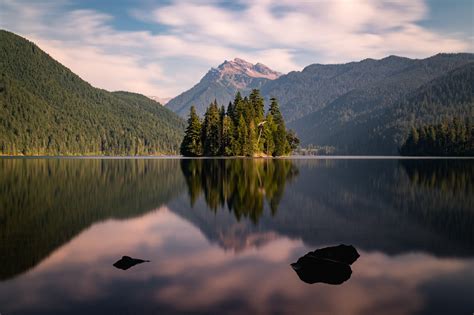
(195, 35)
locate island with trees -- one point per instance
(242, 130)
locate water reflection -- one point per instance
(449, 176)
(66, 221)
(241, 184)
(44, 203)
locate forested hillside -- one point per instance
(449, 97)
(375, 117)
(449, 138)
(47, 109)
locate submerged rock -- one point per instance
(327, 265)
(127, 262)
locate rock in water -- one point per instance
(328, 265)
(127, 262)
(312, 270)
(341, 253)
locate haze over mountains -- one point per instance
(355, 107)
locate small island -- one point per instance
(241, 130)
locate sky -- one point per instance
(162, 48)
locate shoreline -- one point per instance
(291, 157)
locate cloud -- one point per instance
(188, 273)
(191, 36)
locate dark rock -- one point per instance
(328, 265)
(341, 253)
(127, 262)
(312, 270)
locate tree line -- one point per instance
(241, 130)
(449, 138)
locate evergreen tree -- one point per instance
(268, 131)
(279, 135)
(444, 139)
(191, 144)
(247, 134)
(256, 100)
(238, 108)
(251, 143)
(211, 131)
(227, 136)
(241, 137)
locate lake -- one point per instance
(221, 235)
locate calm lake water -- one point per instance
(221, 235)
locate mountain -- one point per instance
(161, 100)
(341, 105)
(47, 109)
(221, 84)
(375, 118)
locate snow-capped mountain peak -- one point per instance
(240, 66)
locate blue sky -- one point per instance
(161, 48)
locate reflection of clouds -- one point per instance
(187, 273)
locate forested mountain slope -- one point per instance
(47, 109)
(374, 119)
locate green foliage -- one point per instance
(227, 136)
(455, 138)
(368, 107)
(211, 131)
(242, 131)
(279, 131)
(45, 109)
(192, 144)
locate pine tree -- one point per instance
(242, 130)
(211, 131)
(256, 100)
(227, 136)
(238, 108)
(279, 135)
(191, 144)
(241, 137)
(268, 131)
(251, 142)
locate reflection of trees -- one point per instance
(449, 176)
(46, 202)
(241, 184)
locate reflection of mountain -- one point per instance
(370, 203)
(378, 205)
(242, 184)
(44, 203)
